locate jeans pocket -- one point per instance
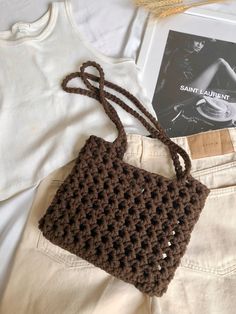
(55, 252)
(212, 247)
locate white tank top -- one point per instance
(41, 126)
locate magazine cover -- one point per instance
(196, 85)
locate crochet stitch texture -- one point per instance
(131, 223)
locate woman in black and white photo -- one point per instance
(192, 65)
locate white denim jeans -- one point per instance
(48, 279)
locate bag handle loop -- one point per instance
(101, 95)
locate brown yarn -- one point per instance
(132, 223)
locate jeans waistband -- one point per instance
(217, 172)
(156, 147)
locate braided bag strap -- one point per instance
(121, 141)
(100, 95)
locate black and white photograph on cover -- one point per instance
(196, 86)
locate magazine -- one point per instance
(194, 86)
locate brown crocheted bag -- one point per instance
(132, 223)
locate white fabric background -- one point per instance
(112, 26)
(115, 28)
(227, 6)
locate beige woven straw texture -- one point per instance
(163, 8)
